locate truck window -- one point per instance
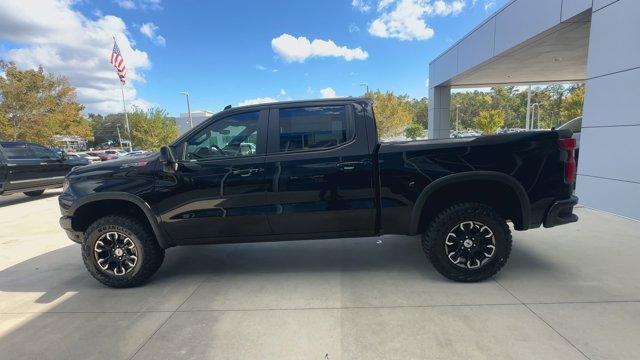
(17, 151)
(43, 153)
(235, 135)
(313, 128)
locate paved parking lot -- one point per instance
(572, 292)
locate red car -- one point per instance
(102, 156)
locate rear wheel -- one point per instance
(468, 242)
(34, 193)
(121, 252)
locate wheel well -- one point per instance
(86, 214)
(500, 196)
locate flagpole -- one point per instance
(126, 117)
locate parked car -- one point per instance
(136, 153)
(31, 168)
(317, 170)
(92, 159)
(116, 152)
(102, 155)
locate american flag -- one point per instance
(118, 62)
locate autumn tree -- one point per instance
(489, 121)
(572, 106)
(393, 113)
(35, 105)
(152, 129)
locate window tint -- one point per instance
(313, 127)
(17, 151)
(235, 135)
(43, 153)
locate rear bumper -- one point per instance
(561, 212)
(75, 236)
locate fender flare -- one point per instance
(154, 221)
(523, 198)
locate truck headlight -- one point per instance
(65, 185)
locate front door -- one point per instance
(53, 168)
(218, 191)
(320, 172)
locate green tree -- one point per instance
(489, 121)
(35, 105)
(393, 113)
(573, 104)
(414, 131)
(420, 111)
(152, 129)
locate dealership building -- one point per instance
(560, 41)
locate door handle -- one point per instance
(44, 163)
(246, 172)
(349, 165)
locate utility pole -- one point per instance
(367, 86)
(535, 109)
(457, 118)
(527, 121)
(188, 108)
(119, 138)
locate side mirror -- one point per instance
(64, 156)
(167, 158)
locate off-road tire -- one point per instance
(150, 254)
(34, 193)
(433, 241)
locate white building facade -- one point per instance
(197, 117)
(557, 41)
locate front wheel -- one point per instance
(121, 252)
(468, 242)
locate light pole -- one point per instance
(536, 107)
(457, 118)
(365, 85)
(119, 138)
(188, 108)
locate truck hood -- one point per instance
(116, 165)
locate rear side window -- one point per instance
(17, 151)
(309, 128)
(43, 153)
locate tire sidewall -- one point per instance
(439, 236)
(90, 260)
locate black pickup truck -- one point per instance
(315, 169)
(32, 168)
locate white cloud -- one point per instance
(327, 93)
(260, 67)
(149, 30)
(299, 49)
(140, 4)
(67, 43)
(282, 92)
(362, 5)
(488, 4)
(353, 28)
(407, 19)
(261, 100)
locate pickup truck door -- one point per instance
(320, 171)
(51, 165)
(218, 189)
(22, 167)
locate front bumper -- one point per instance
(75, 236)
(561, 212)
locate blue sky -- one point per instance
(230, 52)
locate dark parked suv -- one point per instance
(315, 169)
(31, 168)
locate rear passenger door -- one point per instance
(320, 171)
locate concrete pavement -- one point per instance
(571, 292)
